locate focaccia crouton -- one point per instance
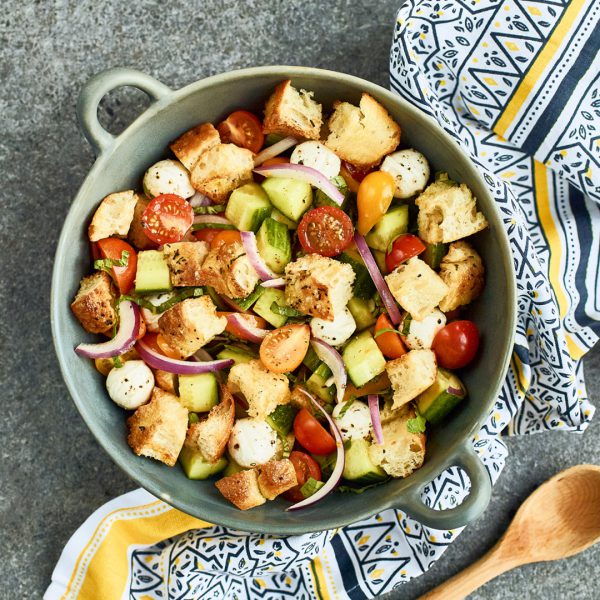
(220, 170)
(210, 436)
(364, 134)
(292, 112)
(157, 429)
(411, 374)
(113, 216)
(137, 236)
(193, 143)
(94, 304)
(228, 270)
(242, 489)
(416, 287)
(166, 381)
(263, 390)
(448, 212)
(401, 452)
(276, 477)
(184, 260)
(462, 271)
(318, 286)
(190, 324)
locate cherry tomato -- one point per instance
(456, 345)
(142, 330)
(94, 252)
(305, 466)
(353, 175)
(284, 349)
(250, 320)
(165, 348)
(167, 219)
(310, 434)
(113, 248)
(277, 160)
(326, 230)
(373, 198)
(404, 247)
(243, 129)
(225, 236)
(378, 384)
(207, 234)
(389, 343)
(157, 343)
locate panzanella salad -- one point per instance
(282, 301)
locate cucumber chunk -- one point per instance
(363, 359)
(434, 253)
(198, 393)
(291, 196)
(322, 199)
(196, 467)
(362, 312)
(273, 241)
(263, 306)
(281, 218)
(311, 361)
(152, 274)
(248, 207)
(316, 383)
(438, 400)
(237, 354)
(389, 227)
(281, 419)
(359, 468)
(363, 286)
(232, 468)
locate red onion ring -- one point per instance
(331, 357)
(253, 334)
(279, 282)
(199, 199)
(455, 391)
(375, 417)
(274, 150)
(249, 241)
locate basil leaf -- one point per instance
(106, 264)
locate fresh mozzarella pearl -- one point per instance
(355, 423)
(168, 177)
(422, 333)
(150, 318)
(334, 332)
(410, 171)
(318, 156)
(131, 385)
(253, 442)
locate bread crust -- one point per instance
(190, 146)
(94, 304)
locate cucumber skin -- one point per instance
(440, 407)
(389, 227)
(196, 468)
(359, 469)
(262, 307)
(273, 241)
(322, 199)
(434, 253)
(316, 383)
(248, 207)
(361, 351)
(363, 286)
(236, 354)
(363, 317)
(435, 409)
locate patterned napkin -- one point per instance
(516, 83)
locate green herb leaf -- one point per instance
(311, 487)
(193, 418)
(406, 324)
(285, 311)
(117, 362)
(346, 406)
(386, 330)
(248, 301)
(416, 425)
(209, 210)
(106, 264)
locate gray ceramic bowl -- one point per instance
(120, 164)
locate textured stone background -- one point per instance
(53, 474)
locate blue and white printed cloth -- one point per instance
(516, 83)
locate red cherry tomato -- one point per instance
(456, 345)
(389, 342)
(326, 230)
(243, 129)
(311, 435)
(167, 219)
(353, 175)
(404, 247)
(113, 248)
(305, 466)
(207, 234)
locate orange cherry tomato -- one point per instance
(284, 349)
(142, 330)
(165, 348)
(310, 434)
(206, 235)
(277, 160)
(389, 342)
(243, 129)
(374, 196)
(113, 248)
(250, 320)
(225, 236)
(305, 466)
(152, 340)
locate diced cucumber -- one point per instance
(263, 306)
(322, 199)
(359, 468)
(291, 196)
(434, 253)
(248, 207)
(389, 227)
(232, 468)
(281, 419)
(363, 359)
(237, 354)
(217, 301)
(362, 311)
(273, 241)
(363, 286)
(326, 463)
(311, 361)
(273, 138)
(438, 400)
(152, 274)
(316, 383)
(281, 218)
(196, 467)
(198, 393)
(250, 299)
(380, 260)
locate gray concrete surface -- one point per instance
(53, 474)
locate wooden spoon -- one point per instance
(561, 518)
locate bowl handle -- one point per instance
(97, 87)
(469, 510)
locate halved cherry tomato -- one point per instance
(353, 175)
(404, 247)
(225, 236)
(250, 320)
(373, 198)
(277, 160)
(142, 329)
(207, 234)
(456, 345)
(326, 230)
(378, 384)
(157, 343)
(310, 434)
(167, 218)
(94, 252)
(389, 343)
(113, 248)
(243, 129)
(305, 466)
(284, 349)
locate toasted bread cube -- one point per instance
(411, 374)
(222, 169)
(263, 390)
(158, 429)
(190, 324)
(463, 272)
(166, 381)
(190, 146)
(416, 287)
(318, 286)
(276, 477)
(94, 304)
(184, 260)
(242, 489)
(402, 452)
(364, 134)
(293, 112)
(137, 236)
(113, 216)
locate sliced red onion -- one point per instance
(251, 333)
(375, 417)
(340, 461)
(180, 367)
(279, 282)
(274, 150)
(304, 173)
(455, 391)
(331, 357)
(199, 199)
(211, 220)
(249, 241)
(129, 326)
(384, 291)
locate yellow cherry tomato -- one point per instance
(374, 197)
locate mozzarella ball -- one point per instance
(410, 171)
(150, 318)
(422, 333)
(355, 423)
(168, 177)
(131, 385)
(318, 156)
(334, 332)
(253, 442)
